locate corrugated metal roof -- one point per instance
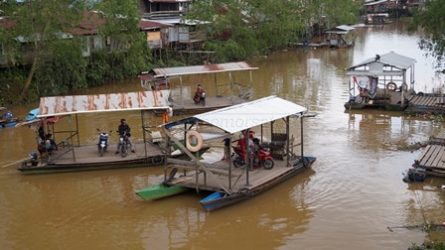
(376, 2)
(342, 29)
(201, 69)
(389, 59)
(64, 105)
(250, 114)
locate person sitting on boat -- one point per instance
(124, 129)
(200, 95)
(50, 143)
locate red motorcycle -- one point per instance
(261, 157)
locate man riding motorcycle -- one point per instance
(123, 130)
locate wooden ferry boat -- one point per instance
(227, 180)
(381, 83)
(160, 78)
(71, 155)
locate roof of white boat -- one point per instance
(246, 115)
(388, 59)
(75, 104)
(341, 29)
(369, 3)
(200, 69)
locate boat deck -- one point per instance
(216, 178)
(211, 103)
(87, 157)
(426, 104)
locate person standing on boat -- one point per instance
(200, 95)
(123, 130)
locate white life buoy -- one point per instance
(193, 141)
(391, 86)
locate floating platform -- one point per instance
(428, 103)
(432, 160)
(211, 103)
(69, 159)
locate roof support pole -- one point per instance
(215, 80)
(180, 90)
(230, 161)
(144, 133)
(301, 139)
(248, 156)
(402, 101)
(231, 84)
(77, 130)
(287, 142)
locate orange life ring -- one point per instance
(194, 141)
(391, 86)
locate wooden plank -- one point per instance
(432, 155)
(438, 158)
(423, 158)
(442, 161)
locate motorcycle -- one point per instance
(102, 145)
(261, 158)
(124, 145)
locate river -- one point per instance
(350, 198)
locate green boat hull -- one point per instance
(159, 191)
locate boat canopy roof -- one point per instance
(75, 104)
(375, 65)
(199, 69)
(369, 3)
(342, 29)
(246, 115)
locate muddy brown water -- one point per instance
(354, 192)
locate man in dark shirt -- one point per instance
(124, 129)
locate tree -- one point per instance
(432, 20)
(38, 34)
(242, 28)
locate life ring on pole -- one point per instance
(193, 141)
(391, 86)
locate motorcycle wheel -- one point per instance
(101, 151)
(238, 162)
(268, 164)
(124, 150)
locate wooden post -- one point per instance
(287, 141)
